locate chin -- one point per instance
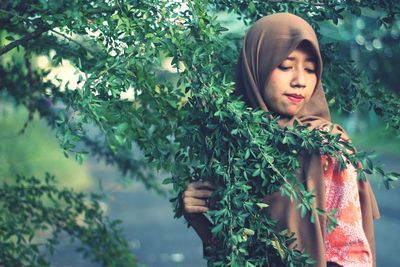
(290, 113)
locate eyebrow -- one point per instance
(309, 59)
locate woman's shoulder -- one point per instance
(325, 125)
(335, 128)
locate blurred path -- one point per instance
(387, 227)
(159, 240)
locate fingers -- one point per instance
(195, 195)
(196, 209)
(194, 202)
(194, 205)
(201, 185)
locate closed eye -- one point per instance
(310, 70)
(284, 68)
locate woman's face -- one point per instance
(292, 83)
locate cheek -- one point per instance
(276, 77)
(270, 93)
(311, 87)
(314, 83)
(274, 85)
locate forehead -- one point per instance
(303, 51)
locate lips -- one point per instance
(295, 98)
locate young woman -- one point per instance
(279, 70)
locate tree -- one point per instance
(190, 125)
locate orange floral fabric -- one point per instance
(347, 244)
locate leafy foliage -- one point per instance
(190, 125)
(34, 213)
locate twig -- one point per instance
(22, 40)
(302, 2)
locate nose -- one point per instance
(299, 79)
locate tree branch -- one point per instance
(37, 33)
(102, 10)
(74, 41)
(22, 40)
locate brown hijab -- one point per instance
(267, 43)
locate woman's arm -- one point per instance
(195, 205)
(201, 225)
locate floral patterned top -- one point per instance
(347, 244)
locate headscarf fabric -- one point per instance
(266, 44)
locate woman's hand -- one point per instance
(196, 196)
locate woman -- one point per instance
(279, 70)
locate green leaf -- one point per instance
(247, 154)
(256, 173)
(217, 228)
(10, 38)
(167, 181)
(121, 128)
(262, 205)
(248, 231)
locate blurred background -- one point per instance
(153, 234)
